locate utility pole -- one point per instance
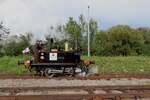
(88, 31)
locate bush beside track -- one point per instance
(8, 65)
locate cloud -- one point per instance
(21, 16)
(38, 15)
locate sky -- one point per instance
(38, 16)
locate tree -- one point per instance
(146, 34)
(10, 46)
(100, 44)
(3, 31)
(73, 29)
(25, 40)
(125, 40)
(15, 44)
(93, 28)
(83, 25)
(118, 40)
(83, 39)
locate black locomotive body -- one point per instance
(53, 62)
(57, 58)
(56, 62)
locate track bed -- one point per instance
(127, 92)
(137, 75)
(127, 86)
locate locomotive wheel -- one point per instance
(48, 73)
(72, 72)
(85, 69)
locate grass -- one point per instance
(105, 64)
(122, 64)
(10, 65)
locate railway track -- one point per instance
(132, 96)
(91, 77)
(109, 92)
(127, 92)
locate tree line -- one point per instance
(119, 40)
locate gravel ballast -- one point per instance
(64, 82)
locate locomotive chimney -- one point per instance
(66, 46)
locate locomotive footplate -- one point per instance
(53, 64)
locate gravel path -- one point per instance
(63, 82)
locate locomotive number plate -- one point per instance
(53, 56)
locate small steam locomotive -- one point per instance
(53, 62)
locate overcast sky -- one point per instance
(38, 15)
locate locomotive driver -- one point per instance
(39, 45)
